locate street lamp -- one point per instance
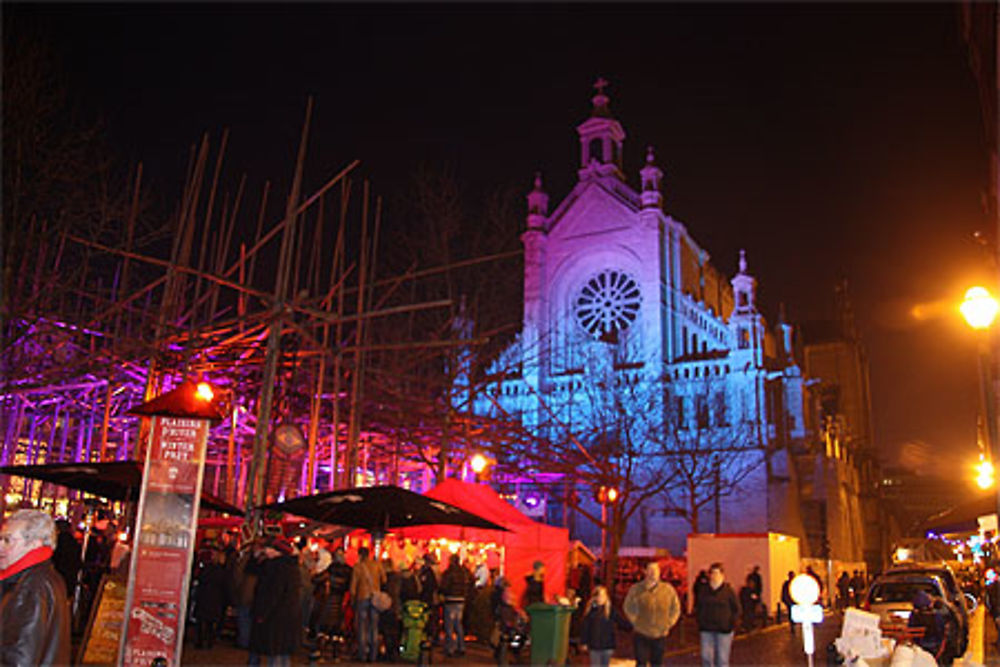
(804, 590)
(606, 495)
(980, 309)
(478, 464)
(204, 391)
(985, 473)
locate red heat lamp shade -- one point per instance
(189, 399)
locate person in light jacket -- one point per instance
(717, 612)
(598, 632)
(366, 578)
(652, 607)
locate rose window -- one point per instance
(608, 303)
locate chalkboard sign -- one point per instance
(107, 617)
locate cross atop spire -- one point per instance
(743, 261)
(601, 99)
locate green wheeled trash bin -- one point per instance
(549, 633)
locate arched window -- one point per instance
(595, 150)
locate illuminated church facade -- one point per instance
(619, 295)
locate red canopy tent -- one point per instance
(526, 541)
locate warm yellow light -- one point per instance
(478, 463)
(612, 495)
(204, 391)
(804, 589)
(979, 308)
(985, 473)
(902, 554)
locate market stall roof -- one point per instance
(380, 508)
(114, 480)
(526, 542)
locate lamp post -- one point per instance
(606, 495)
(980, 309)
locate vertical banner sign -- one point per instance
(164, 543)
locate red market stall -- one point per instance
(526, 541)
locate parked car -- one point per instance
(965, 604)
(891, 597)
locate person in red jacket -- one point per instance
(34, 614)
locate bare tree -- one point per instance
(440, 247)
(708, 449)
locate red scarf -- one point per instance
(33, 557)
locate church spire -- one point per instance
(601, 138)
(650, 175)
(538, 204)
(744, 287)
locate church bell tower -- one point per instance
(601, 139)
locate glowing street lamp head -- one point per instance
(804, 589)
(204, 392)
(478, 464)
(612, 494)
(979, 308)
(985, 473)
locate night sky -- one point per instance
(827, 140)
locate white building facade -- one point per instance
(616, 288)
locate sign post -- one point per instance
(156, 601)
(805, 592)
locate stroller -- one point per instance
(512, 637)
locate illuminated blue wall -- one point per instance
(618, 294)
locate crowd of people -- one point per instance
(289, 595)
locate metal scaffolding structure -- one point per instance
(289, 322)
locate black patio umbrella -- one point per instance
(114, 480)
(378, 509)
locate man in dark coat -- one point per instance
(857, 588)
(390, 619)
(276, 611)
(454, 587)
(67, 558)
(34, 614)
(428, 583)
(717, 612)
(755, 581)
(786, 599)
(534, 584)
(211, 599)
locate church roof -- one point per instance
(620, 192)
